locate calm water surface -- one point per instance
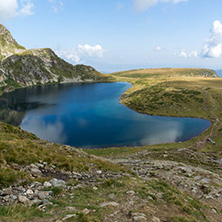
(90, 116)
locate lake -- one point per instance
(219, 72)
(89, 115)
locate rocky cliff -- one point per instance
(20, 67)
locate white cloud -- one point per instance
(54, 132)
(71, 55)
(82, 52)
(143, 5)
(27, 6)
(12, 8)
(57, 5)
(213, 46)
(87, 50)
(8, 9)
(158, 48)
(184, 54)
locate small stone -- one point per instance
(23, 199)
(99, 171)
(182, 149)
(217, 195)
(42, 208)
(197, 177)
(131, 192)
(209, 197)
(47, 202)
(53, 166)
(29, 192)
(35, 201)
(155, 219)
(6, 198)
(43, 194)
(35, 184)
(39, 165)
(109, 204)
(131, 202)
(36, 172)
(95, 188)
(214, 211)
(47, 184)
(69, 216)
(75, 174)
(57, 183)
(13, 197)
(86, 211)
(111, 196)
(70, 208)
(33, 166)
(205, 180)
(6, 191)
(139, 218)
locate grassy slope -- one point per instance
(171, 92)
(23, 148)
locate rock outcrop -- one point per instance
(20, 67)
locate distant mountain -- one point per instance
(21, 67)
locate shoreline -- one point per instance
(121, 102)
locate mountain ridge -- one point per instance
(22, 67)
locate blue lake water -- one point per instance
(89, 115)
(219, 73)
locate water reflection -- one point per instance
(90, 115)
(53, 132)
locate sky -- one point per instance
(114, 35)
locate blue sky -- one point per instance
(113, 35)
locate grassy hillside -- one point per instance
(171, 92)
(43, 66)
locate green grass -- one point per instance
(23, 148)
(9, 177)
(19, 213)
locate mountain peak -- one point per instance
(6, 35)
(8, 45)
